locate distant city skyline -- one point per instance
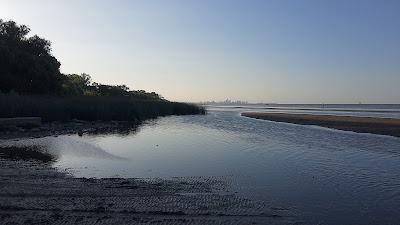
(280, 51)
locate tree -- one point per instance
(111, 90)
(26, 63)
(28, 67)
(74, 84)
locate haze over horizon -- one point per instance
(258, 51)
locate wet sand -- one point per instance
(383, 126)
(68, 127)
(33, 192)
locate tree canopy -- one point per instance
(28, 67)
(26, 63)
(76, 85)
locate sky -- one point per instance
(280, 51)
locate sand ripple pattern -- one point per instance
(37, 194)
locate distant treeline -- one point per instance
(31, 84)
(226, 102)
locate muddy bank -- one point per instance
(32, 192)
(70, 127)
(383, 126)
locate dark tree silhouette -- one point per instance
(28, 67)
(26, 63)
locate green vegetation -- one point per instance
(81, 85)
(32, 85)
(26, 65)
(91, 108)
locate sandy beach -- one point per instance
(383, 126)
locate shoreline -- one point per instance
(33, 192)
(70, 127)
(381, 126)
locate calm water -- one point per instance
(363, 110)
(321, 175)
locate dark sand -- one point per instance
(383, 126)
(32, 192)
(69, 127)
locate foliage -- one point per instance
(33, 85)
(78, 85)
(91, 108)
(27, 67)
(26, 64)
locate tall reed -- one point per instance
(91, 108)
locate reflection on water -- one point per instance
(57, 147)
(326, 176)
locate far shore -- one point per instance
(382, 126)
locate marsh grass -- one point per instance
(91, 108)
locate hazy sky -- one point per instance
(294, 51)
